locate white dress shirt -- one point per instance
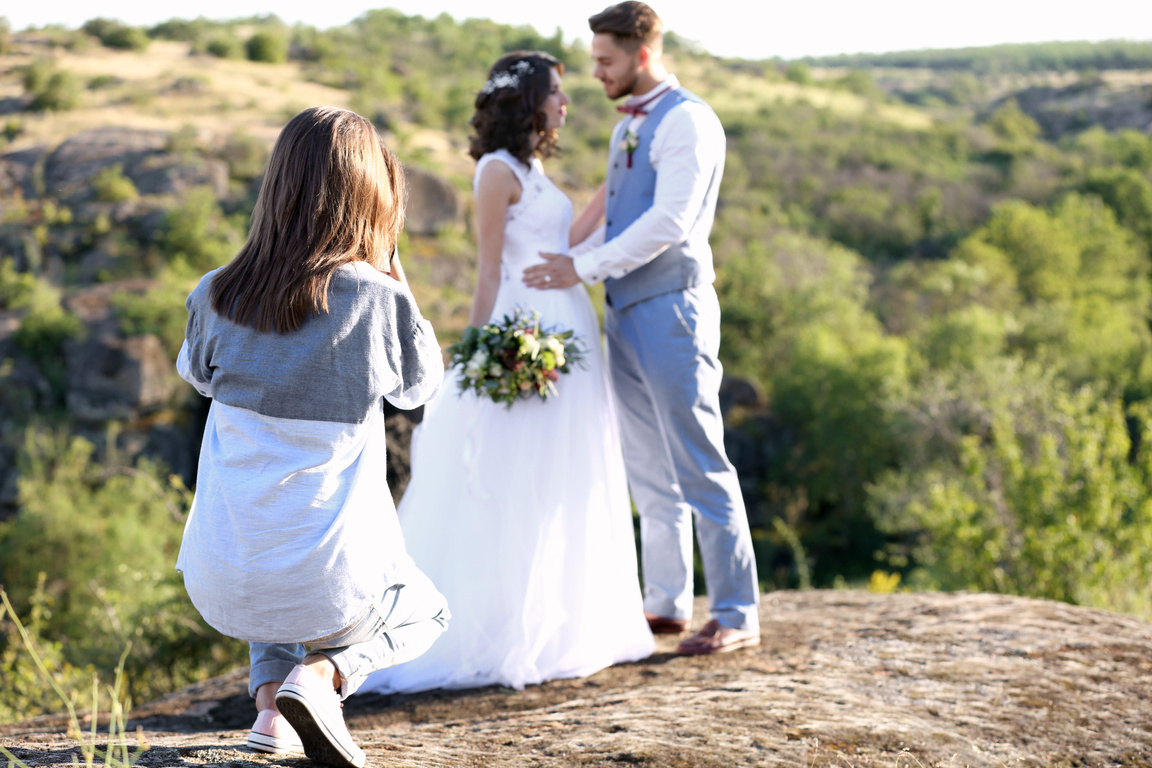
(685, 148)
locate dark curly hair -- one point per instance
(509, 108)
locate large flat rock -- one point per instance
(841, 678)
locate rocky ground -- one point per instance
(841, 679)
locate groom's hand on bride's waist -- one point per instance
(557, 271)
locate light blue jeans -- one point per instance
(408, 618)
(662, 358)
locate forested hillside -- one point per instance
(934, 270)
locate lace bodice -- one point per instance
(539, 221)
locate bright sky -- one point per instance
(747, 28)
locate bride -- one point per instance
(521, 516)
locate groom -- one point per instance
(662, 323)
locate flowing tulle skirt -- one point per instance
(522, 520)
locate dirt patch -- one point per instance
(840, 679)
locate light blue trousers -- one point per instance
(662, 357)
(408, 618)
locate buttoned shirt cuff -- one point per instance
(587, 267)
(600, 263)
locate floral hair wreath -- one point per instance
(509, 79)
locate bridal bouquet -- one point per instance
(513, 358)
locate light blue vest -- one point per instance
(630, 194)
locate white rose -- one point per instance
(476, 365)
(556, 347)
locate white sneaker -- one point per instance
(310, 704)
(271, 733)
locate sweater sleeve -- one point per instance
(190, 362)
(414, 355)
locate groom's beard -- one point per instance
(626, 89)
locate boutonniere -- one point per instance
(629, 144)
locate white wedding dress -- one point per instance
(521, 516)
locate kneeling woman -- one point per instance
(292, 542)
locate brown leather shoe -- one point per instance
(661, 625)
(714, 637)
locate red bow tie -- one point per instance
(641, 107)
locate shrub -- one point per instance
(107, 536)
(112, 186)
(27, 692)
(99, 26)
(185, 142)
(182, 30)
(126, 38)
(100, 82)
(225, 46)
(16, 288)
(12, 129)
(59, 36)
(861, 83)
(1011, 484)
(197, 234)
(160, 311)
(246, 155)
(799, 73)
(114, 34)
(51, 90)
(44, 329)
(267, 47)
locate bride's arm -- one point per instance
(497, 189)
(586, 223)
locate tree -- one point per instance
(1083, 283)
(795, 320)
(1010, 483)
(1128, 193)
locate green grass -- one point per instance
(114, 750)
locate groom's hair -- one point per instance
(332, 194)
(631, 23)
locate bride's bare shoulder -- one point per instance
(498, 179)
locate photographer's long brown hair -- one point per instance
(332, 194)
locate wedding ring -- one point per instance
(547, 278)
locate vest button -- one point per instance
(609, 223)
(612, 193)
